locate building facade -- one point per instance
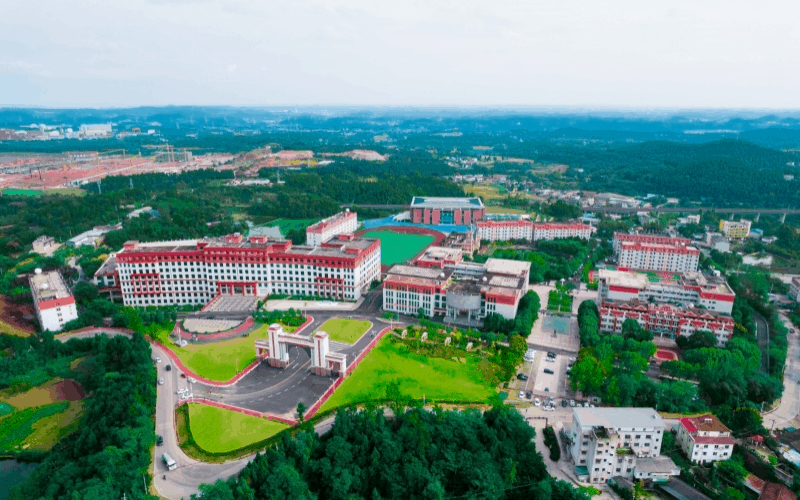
(505, 230)
(195, 271)
(655, 253)
(106, 278)
(665, 319)
(52, 299)
(342, 223)
(449, 211)
(735, 229)
(705, 439)
(608, 442)
(463, 292)
(794, 289)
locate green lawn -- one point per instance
(21, 192)
(417, 375)
(218, 361)
(345, 330)
(397, 248)
(218, 431)
(286, 225)
(16, 427)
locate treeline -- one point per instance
(552, 260)
(417, 454)
(527, 314)
(109, 456)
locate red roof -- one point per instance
(712, 440)
(775, 491)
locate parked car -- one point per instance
(548, 371)
(537, 402)
(521, 395)
(522, 376)
(183, 375)
(572, 402)
(192, 381)
(529, 395)
(564, 402)
(168, 368)
(159, 440)
(551, 354)
(158, 360)
(161, 381)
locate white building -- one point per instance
(705, 439)
(45, 245)
(52, 299)
(342, 223)
(693, 219)
(655, 253)
(195, 271)
(464, 292)
(735, 229)
(96, 130)
(505, 230)
(608, 442)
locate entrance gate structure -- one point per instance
(275, 349)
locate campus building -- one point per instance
(735, 229)
(456, 211)
(195, 271)
(626, 442)
(504, 230)
(106, 278)
(342, 223)
(439, 257)
(794, 289)
(464, 292)
(45, 245)
(665, 319)
(52, 300)
(705, 439)
(655, 253)
(702, 290)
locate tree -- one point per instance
(517, 344)
(85, 293)
(301, 410)
(640, 492)
(631, 329)
(700, 338)
(421, 313)
(731, 493)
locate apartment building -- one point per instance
(655, 253)
(342, 223)
(705, 439)
(52, 299)
(106, 278)
(608, 442)
(735, 229)
(195, 271)
(505, 230)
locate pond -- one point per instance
(13, 473)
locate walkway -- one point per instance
(789, 407)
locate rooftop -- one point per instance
(419, 272)
(48, 286)
(776, 491)
(661, 464)
(704, 423)
(508, 267)
(624, 418)
(330, 221)
(445, 203)
(108, 267)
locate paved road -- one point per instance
(789, 407)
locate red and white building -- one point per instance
(52, 300)
(690, 289)
(665, 319)
(705, 439)
(342, 223)
(106, 278)
(504, 230)
(449, 211)
(195, 271)
(655, 253)
(439, 257)
(464, 292)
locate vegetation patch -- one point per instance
(12, 320)
(417, 376)
(219, 431)
(16, 427)
(48, 431)
(53, 391)
(21, 192)
(399, 247)
(559, 300)
(345, 330)
(286, 225)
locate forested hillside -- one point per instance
(419, 454)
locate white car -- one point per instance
(158, 360)
(192, 381)
(521, 395)
(572, 402)
(537, 402)
(549, 408)
(161, 381)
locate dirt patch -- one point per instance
(12, 318)
(69, 390)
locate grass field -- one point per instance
(417, 376)
(218, 431)
(488, 192)
(218, 361)
(397, 248)
(503, 210)
(286, 225)
(52, 391)
(21, 192)
(345, 330)
(16, 428)
(65, 191)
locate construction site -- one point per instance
(74, 169)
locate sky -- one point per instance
(570, 53)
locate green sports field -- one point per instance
(417, 376)
(21, 192)
(218, 431)
(397, 248)
(345, 330)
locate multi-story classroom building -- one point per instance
(655, 253)
(504, 230)
(342, 223)
(456, 211)
(52, 300)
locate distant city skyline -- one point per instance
(623, 55)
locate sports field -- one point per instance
(345, 330)
(397, 248)
(218, 431)
(286, 225)
(21, 192)
(218, 361)
(465, 379)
